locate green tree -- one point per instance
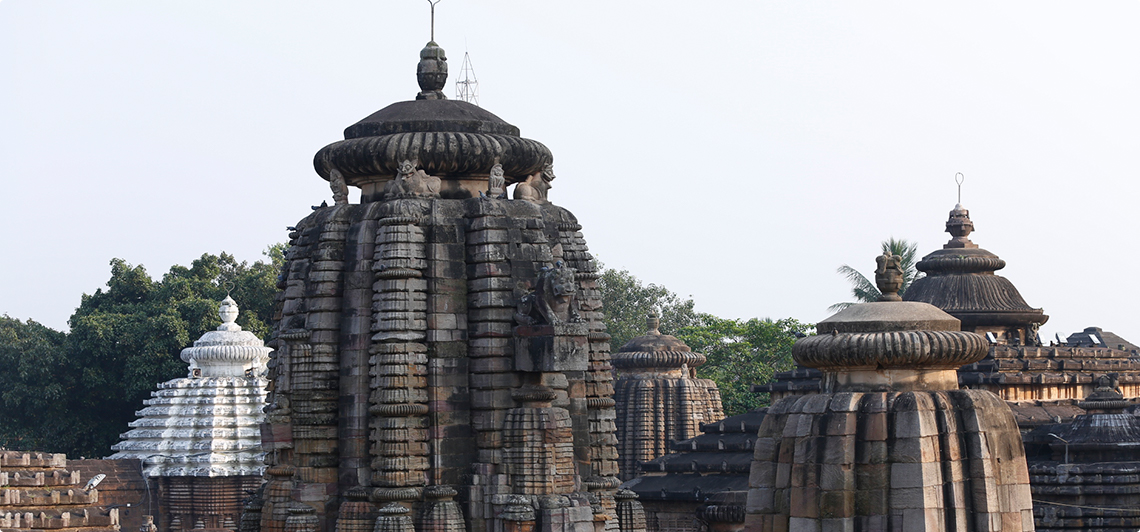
(864, 289)
(626, 301)
(34, 384)
(742, 353)
(127, 338)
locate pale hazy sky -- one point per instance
(735, 152)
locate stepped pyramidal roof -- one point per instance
(206, 424)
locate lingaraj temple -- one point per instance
(440, 364)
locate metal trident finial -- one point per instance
(433, 3)
(958, 178)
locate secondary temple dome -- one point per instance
(960, 279)
(891, 443)
(206, 424)
(200, 435)
(659, 399)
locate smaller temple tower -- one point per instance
(891, 443)
(659, 399)
(200, 435)
(960, 280)
(1089, 482)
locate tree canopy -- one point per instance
(76, 392)
(742, 353)
(626, 301)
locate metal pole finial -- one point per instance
(433, 3)
(958, 178)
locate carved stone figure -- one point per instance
(536, 186)
(552, 301)
(496, 183)
(338, 186)
(411, 182)
(889, 276)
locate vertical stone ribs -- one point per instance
(601, 479)
(316, 369)
(539, 445)
(356, 337)
(490, 306)
(398, 366)
(599, 376)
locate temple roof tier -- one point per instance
(960, 280)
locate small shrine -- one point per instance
(890, 442)
(200, 436)
(960, 280)
(660, 401)
(1088, 475)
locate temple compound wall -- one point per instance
(40, 491)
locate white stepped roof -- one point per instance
(206, 424)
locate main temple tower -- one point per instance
(440, 358)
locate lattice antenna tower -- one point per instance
(467, 87)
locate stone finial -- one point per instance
(1106, 396)
(960, 226)
(228, 312)
(432, 72)
(338, 186)
(652, 324)
(518, 508)
(889, 276)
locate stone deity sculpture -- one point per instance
(338, 186)
(551, 302)
(536, 186)
(496, 183)
(411, 182)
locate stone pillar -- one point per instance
(631, 515)
(393, 518)
(315, 370)
(490, 307)
(399, 362)
(355, 468)
(302, 519)
(440, 513)
(278, 489)
(538, 443)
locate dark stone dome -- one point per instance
(656, 350)
(448, 138)
(960, 280)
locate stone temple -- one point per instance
(199, 436)
(891, 442)
(440, 359)
(659, 399)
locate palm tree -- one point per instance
(865, 290)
